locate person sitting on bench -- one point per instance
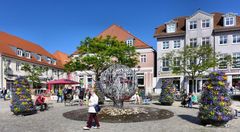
(194, 99)
(40, 101)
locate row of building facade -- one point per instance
(221, 31)
(15, 52)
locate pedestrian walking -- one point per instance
(60, 95)
(189, 100)
(93, 101)
(5, 94)
(81, 96)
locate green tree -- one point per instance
(97, 54)
(192, 61)
(33, 74)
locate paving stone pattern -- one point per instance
(184, 120)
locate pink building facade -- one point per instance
(146, 69)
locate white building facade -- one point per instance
(146, 68)
(220, 30)
(15, 52)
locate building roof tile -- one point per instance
(122, 35)
(181, 25)
(7, 41)
(61, 57)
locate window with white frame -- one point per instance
(171, 28)
(236, 60)
(47, 71)
(222, 64)
(27, 55)
(140, 78)
(54, 62)
(176, 61)
(39, 57)
(229, 21)
(18, 66)
(223, 39)
(19, 52)
(129, 42)
(89, 81)
(55, 72)
(193, 25)
(165, 45)
(236, 39)
(165, 65)
(191, 62)
(205, 41)
(205, 23)
(177, 44)
(81, 80)
(49, 60)
(143, 59)
(193, 42)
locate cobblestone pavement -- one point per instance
(184, 120)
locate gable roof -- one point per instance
(61, 57)
(180, 28)
(121, 35)
(160, 32)
(199, 11)
(7, 41)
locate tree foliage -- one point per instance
(33, 74)
(193, 61)
(96, 54)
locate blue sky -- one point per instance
(62, 24)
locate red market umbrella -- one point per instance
(61, 82)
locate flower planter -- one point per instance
(215, 101)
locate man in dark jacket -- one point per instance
(4, 94)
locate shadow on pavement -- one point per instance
(194, 107)
(236, 97)
(191, 119)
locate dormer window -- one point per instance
(129, 42)
(19, 52)
(229, 19)
(54, 62)
(49, 60)
(27, 55)
(171, 28)
(39, 58)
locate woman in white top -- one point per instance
(93, 100)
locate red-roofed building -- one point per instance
(62, 57)
(14, 52)
(146, 67)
